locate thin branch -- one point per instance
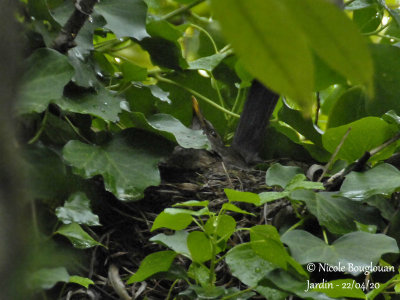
(65, 39)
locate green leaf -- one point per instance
(128, 163)
(102, 104)
(176, 241)
(200, 273)
(266, 243)
(234, 208)
(77, 236)
(247, 197)
(173, 130)
(266, 197)
(365, 134)
(83, 281)
(250, 268)
(270, 44)
(302, 124)
(172, 221)
(46, 172)
(152, 264)
(352, 251)
(299, 182)
(77, 210)
(46, 74)
(199, 246)
(281, 175)
(47, 278)
(383, 179)
(335, 39)
(223, 226)
(124, 17)
(348, 108)
(359, 4)
(387, 73)
(336, 213)
(192, 203)
(207, 63)
(175, 211)
(132, 72)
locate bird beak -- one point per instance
(196, 109)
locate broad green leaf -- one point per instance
(46, 74)
(387, 73)
(78, 237)
(266, 197)
(152, 264)
(128, 163)
(299, 181)
(336, 213)
(250, 268)
(199, 246)
(352, 251)
(191, 203)
(133, 72)
(207, 63)
(348, 108)
(301, 123)
(124, 17)
(365, 134)
(383, 179)
(85, 282)
(368, 19)
(383, 204)
(281, 175)
(47, 278)
(174, 222)
(102, 104)
(270, 44)
(84, 70)
(47, 176)
(237, 196)
(359, 4)
(176, 241)
(172, 129)
(77, 210)
(234, 208)
(339, 288)
(266, 243)
(335, 39)
(179, 211)
(223, 226)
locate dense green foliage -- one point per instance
(116, 104)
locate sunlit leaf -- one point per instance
(78, 237)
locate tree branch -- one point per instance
(65, 39)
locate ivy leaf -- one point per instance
(77, 210)
(383, 179)
(153, 264)
(48, 277)
(237, 196)
(172, 221)
(281, 175)
(83, 281)
(261, 32)
(128, 163)
(250, 268)
(336, 213)
(124, 17)
(352, 249)
(172, 129)
(46, 74)
(102, 104)
(77, 236)
(365, 134)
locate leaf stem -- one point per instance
(239, 293)
(181, 10)
(197, 94)
(41, 129)
(325, 236)
(171, 288)
(207, 34)
(76, 130)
